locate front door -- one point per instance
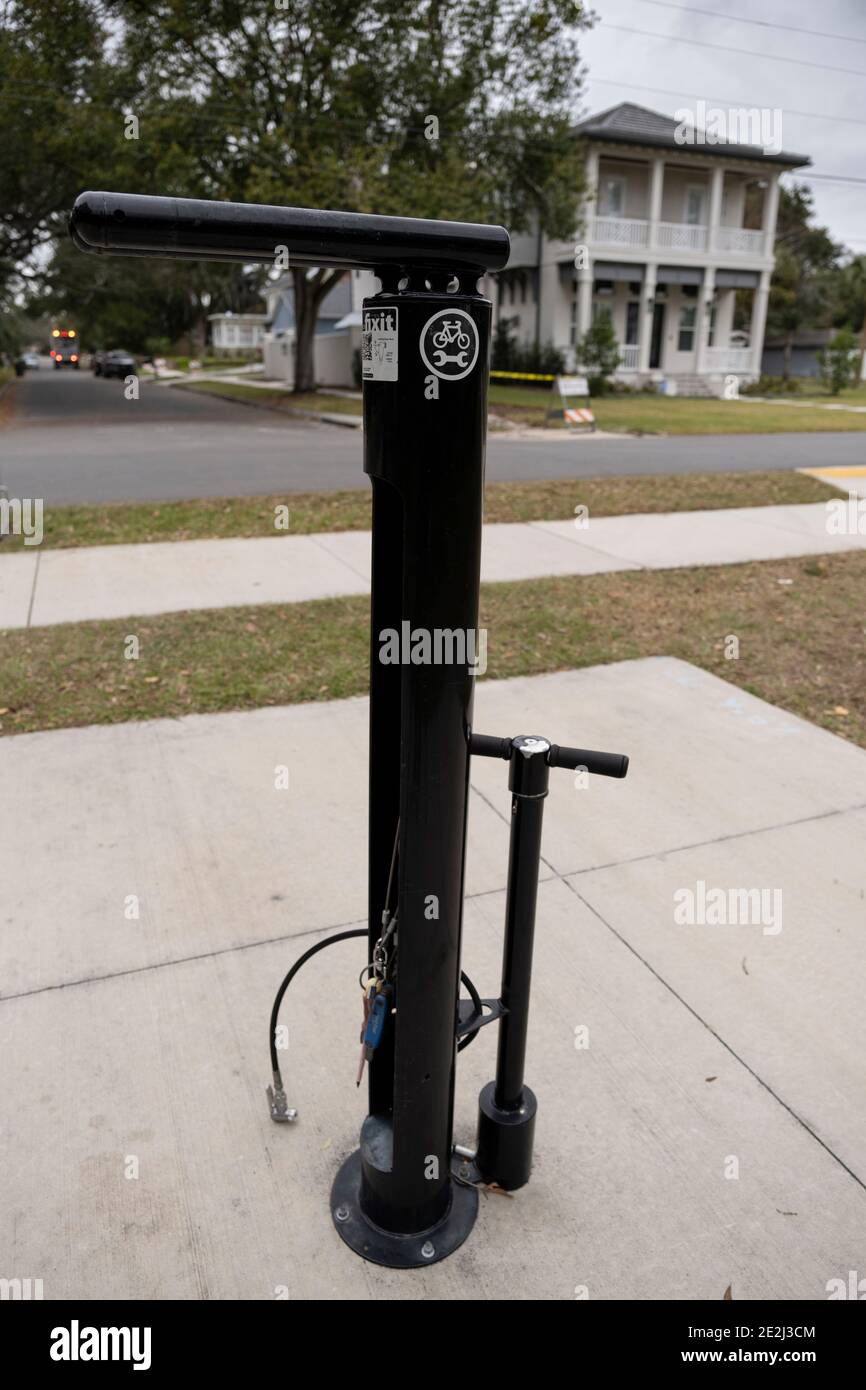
(657, 339)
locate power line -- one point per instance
(763, 23)
(667, 92)
(828, 178)
(728, 48)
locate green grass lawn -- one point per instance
(627, 414)
(204, 518)
(801, 645)
(852, 395)
(637, 414)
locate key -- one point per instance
(378, 1002)
(368, 996)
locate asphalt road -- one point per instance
(75, 438)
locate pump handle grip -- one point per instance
(602, 764)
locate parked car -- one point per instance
(32, 361)
(116, 363)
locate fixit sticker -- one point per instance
(449, 344)
(379, 345)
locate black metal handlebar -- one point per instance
(602, 764)
(134, 224)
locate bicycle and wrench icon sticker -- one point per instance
(449, 344)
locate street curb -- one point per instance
(327, 418)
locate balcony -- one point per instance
(634, 233)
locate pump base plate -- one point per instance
(388, 1247)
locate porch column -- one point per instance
(645, 326)
(759, 319)
(717, 184)
(657, 181)
(769, 213)
(708, 289)
(584, 302)
(590, 201)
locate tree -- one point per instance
(113, 305)
(599, 353)
(806, 257)
(459, 109)
(850, 302)
(838, 361)
(58, 93)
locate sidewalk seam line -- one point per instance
(33, 589)
(719, 1039)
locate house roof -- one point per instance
(629, 124)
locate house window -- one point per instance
(694, 213)
(632, 320)
(572, 322)
(686, 339)
(601, 310)
(612, 197)
(711, 332)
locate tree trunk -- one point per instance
(786, 359)
(305, 328)
(308, 296)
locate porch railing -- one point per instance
(621, 231)
(740, 240)
(728, 359)
(682, 236)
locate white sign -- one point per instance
(379, 345)
(572, 385)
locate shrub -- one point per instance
(599, 354)
(508, 355)
(838, 361)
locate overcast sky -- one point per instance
(666, 73)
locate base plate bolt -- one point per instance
(428, 1250)
(342, 1214)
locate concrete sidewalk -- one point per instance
(712, 1049)
(64, 586)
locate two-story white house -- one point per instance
(673, 228)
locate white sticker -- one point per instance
(379, 345)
